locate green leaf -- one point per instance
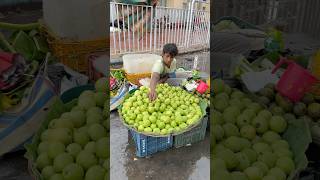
(25, 27)
(13, 36)
(34, 65)
(203, 105)
(41, 44)
(24, 45)
(5, 45)
(299, 137)
(38, 56)
(33, 33)
(273, 57)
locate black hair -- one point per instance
(171, 49)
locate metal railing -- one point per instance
(140, 28)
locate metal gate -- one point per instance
(140, 28)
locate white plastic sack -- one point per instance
(21, 125)
(77, 79)
(100, 64)
(255, 81)
(118, 99)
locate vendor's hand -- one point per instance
(152, 95)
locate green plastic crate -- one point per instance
(193, 136)
(75, 92)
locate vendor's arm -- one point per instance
(164, 78)
(155, 77)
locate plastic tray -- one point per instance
(195, 135)
(147, 145)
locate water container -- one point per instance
(139, 63)
(76, 19)
(295, 81)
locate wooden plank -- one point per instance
(305, 15)
(310, 19)
(297, 10)
(251, 12)
(308, 16)
(271, 10)
(315, 21)
(238, 8)
(228, 7)
(317, 24)
(264, 11)
(256, 16)
(234, 8)
(241, 11)
(292, 15)
(298, 16)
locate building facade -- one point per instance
(183, 4)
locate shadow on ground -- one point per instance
(14, 166)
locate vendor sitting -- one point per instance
(162, 68)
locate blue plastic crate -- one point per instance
(195, 135)
(147, 145)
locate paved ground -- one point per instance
(14, 167)
(186, 163)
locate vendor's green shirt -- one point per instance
(162, 69)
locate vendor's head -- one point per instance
(169, 52)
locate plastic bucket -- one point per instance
(295, 81)
(202, 87)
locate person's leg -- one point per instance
(230, 43)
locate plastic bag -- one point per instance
(274, 41)
(22, 123)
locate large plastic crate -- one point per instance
(195, 135)
(72, 53)
(147, 145)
